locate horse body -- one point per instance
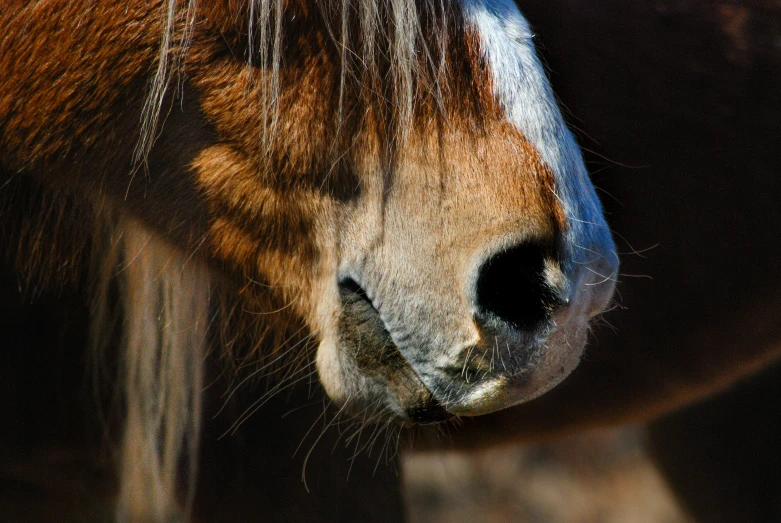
(388, 189)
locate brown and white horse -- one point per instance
(386, 190)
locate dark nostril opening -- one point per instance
(434, 412)
(512, 286)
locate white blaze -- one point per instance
(523, 91)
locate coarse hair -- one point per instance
(394, 49)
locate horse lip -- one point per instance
(413, 388)
(484, 398)
(361, 327)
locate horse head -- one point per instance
(414, 196)
(389, 183)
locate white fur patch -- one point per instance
(522, 89)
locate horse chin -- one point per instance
(376, 383)
(354, 392)
(389, 392)
(364, 373)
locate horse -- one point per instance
(677, 107)
(381, 194)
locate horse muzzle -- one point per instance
(523, 331)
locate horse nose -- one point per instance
(521, 286)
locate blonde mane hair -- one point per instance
(409, 36)
(165, 300)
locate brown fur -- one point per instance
(74, 130)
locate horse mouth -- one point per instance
(379, 375)
(370, 350)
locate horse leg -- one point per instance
(722, 456)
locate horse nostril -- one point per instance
(513, 287)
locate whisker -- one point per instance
(321, 416)
(322, 432)
(261, 369)
(282, 385)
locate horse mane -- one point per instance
(392, 49)
(165, 299)
(150, 298)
